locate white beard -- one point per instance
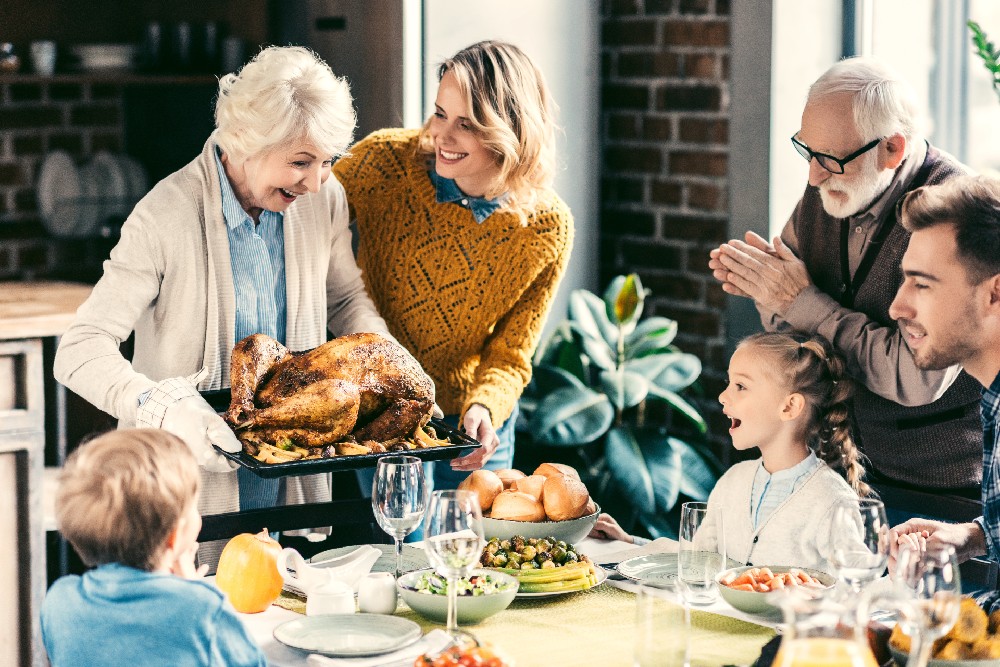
(864, 187)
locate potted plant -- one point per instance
(988, 53)
(595, 382)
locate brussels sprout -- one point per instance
(529, 565)
(532, 541)
(517, 542)
(571, 557)
(547, 565)
(544, 545)
(528, 552)
(563, 545)
(500, 559)
(542, 557)
(558, 554)
(514, 559)
(505, 545)
(492, 547)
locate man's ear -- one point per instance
(895, 151)
(792, 407)
(994, 287)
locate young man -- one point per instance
(948, 309)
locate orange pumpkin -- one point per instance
(248, 572)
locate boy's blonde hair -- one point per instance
(512, 112)
(123, 493)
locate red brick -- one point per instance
(103, 114)
(65, 92)
(617, 96)
(654, 7)
(666, 192)
(697, 259)
(661, 64)
(68, 141)
(674, 287)
(725, 68)
(10, 174)
(689, 98)
(103, 141)
(695, 7)
(698, 323)
(636, 254)
(623, 126)
(698, 163)
(633, 158)
(631, 190)
(706, 197)
(696, 33)
(628, 33)
(700, 130)
(25, 92)
(25, 201)
(715, 296)
(700, 66)
(691, 228)
(29, 145)
(622, 221)
(657, 128)
(620, 7)
(30, 117)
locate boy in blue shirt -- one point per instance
(127, 502)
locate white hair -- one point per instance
(884, 103)
(285, 94)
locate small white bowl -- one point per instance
(570, 531)
(471, 609)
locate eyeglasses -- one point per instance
(834, 165)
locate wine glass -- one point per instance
(398, 498)
(453, 531)
(931, 580)
(859, 541)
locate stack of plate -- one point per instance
(104, 56)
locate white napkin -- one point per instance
(661, 545)
(432, 642)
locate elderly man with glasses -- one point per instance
(836, 266)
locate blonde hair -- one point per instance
(808, 365)
(123, 493)
(512, 113)
(285, 94)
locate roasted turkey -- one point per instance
(360, 385)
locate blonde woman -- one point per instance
(462, 240)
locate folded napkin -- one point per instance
(661, 545)
(432, 642)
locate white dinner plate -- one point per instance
(599, 572)
(136, 177)
(414, 558)
(348, 635)
(90, 208)
(113, 189)
(655, 569)
(58, 192)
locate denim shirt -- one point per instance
(449, 193)
(770, 490)
(990, 521)
(257, 254)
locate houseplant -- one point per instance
(988, 53)
(595, 380)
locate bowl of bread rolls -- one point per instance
(550, 502)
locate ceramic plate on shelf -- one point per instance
(348, 635)
(88, 209)
(599, 571)
(58, 191)
(135, 176)
(114, 189)
(414, 558)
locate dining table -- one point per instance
(592, 627)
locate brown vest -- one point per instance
(939, 445)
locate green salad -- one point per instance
(432, 583)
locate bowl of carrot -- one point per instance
(758, 590)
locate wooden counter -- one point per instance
(38, 309)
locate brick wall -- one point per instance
(36, 116)
(665, 114)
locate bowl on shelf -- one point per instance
(766, 604)
(92, 57)
(471, 608)
(571, 530)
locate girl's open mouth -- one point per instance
(734, 423)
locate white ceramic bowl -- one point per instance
(571, 530)
(471, 608)
(752, 602)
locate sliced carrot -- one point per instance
(742, 587)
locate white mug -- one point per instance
(43, 57)
(332, 597)
(377, 593)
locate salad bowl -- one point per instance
(480, 595)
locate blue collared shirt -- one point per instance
(990, 521)
(257, 254)
(448, 192)
(770, 490)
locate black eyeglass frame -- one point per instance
(808, 154)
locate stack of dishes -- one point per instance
(93, 57)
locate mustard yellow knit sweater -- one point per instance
(467, 299)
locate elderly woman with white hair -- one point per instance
(250, 237)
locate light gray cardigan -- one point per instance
(170, 280)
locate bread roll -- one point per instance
(485, 484)
(508, 475)
(532, 485)
(517, 506)
(564, 498)
(556, 469)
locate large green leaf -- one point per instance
(651, 335)
(625, 389)
(628, 468)
(699, 476)
(623, 300)
(679, 404)
(547, 378)
(571, 416)
(589, 312)
(598, 353)
(671, 371)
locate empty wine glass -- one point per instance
(930, 578)
(453, 531)
(859, 541)
(398, 498)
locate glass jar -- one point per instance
(9, 60)
(825, 631)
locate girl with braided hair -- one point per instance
(787, 396)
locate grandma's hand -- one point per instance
(967, 538)
(478, 424)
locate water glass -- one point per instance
(702, 553)
(663, 629)
(454, 540)
(398, 498)
(930, 578)
(860, 541)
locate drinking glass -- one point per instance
(453, 531)
(398, 498)
(859, 542)
(702, 553)
(930, 577)
(663, 629)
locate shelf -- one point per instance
(121, 77)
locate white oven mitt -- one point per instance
(176, 406)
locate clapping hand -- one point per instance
(769, 274)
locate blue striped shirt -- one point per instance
(770, 490)
(990, 521)
(257, 254)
